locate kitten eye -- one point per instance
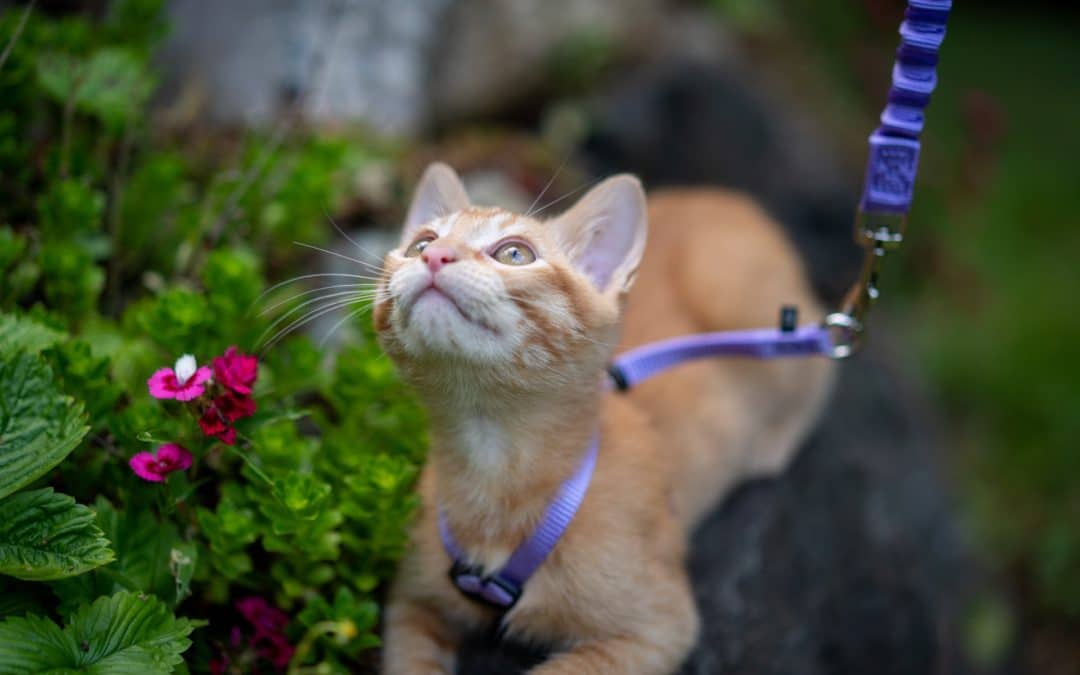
(418, 246)
(514, 253)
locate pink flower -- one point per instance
(233, 407)
(183, 382)
(213, 424)
(279, 652)
(265, 619)
(235, 371)
(220, 665)
(269, 624)
(156, 468)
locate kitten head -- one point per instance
(485, 293)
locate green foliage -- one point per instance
(38, 425)
(123, 634)
(1005, 344)
(18, 274)
(121, 250)
(112, 84)
(45, 535)
(25, 335)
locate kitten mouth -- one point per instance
(435, 291)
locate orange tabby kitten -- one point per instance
(504, 325)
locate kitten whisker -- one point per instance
(352, 241)
(330, 296)
(271, 308)
(540, 196)
(307, 318)
(362, 263)
(308, 276)
(351, 315)
(573, 192)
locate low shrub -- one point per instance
(170, 497)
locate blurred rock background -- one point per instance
(932, 525)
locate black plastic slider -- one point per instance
(618, 377)
(789, 318)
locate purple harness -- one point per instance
(502, 588)
(879, 227)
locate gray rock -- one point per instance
(397, 66)
(492, 53)
(352, 60)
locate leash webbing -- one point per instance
(893, 164)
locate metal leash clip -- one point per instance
(878, 233)
(892, 165)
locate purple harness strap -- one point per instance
(643, 362)
(502, 588)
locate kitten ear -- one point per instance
(439, 193)
(604, 233)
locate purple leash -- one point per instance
(892, 165)
(879, 227)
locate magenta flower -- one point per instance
(157, 467)
(269, 624)
(183, 382)
(213, 424)
(235, 371)
(233, 407)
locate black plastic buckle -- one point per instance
(618, 377)
(789, 318)
(512, 590)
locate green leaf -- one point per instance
(182, 561)
(125, 634)
(112, 85)
(46, 535)
(38, 425)
(70, 207)
(151, 556)
(12, 247)
(22, 334)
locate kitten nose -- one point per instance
(437, 256)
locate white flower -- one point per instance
(185, 368)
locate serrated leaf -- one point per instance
(45, 535)
(21, 334)
(125, 634)
(38, 425)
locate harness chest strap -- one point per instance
(502, 588)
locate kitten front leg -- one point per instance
(657, 646)
(417, 641)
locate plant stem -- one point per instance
(312, 634)
(17, 34)
(116, 198)
(251, 463)
(68, 121)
